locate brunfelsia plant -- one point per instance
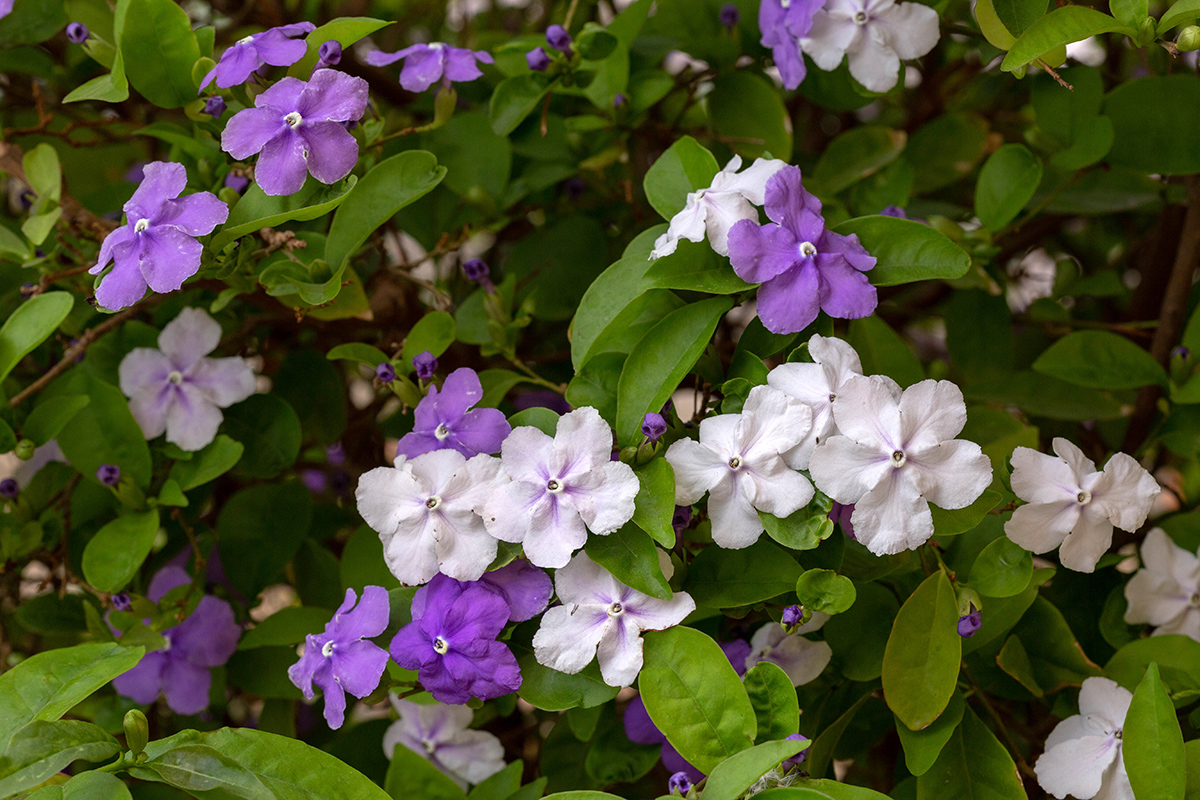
(599, 398)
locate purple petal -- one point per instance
(770, 22)
(283, 96)
(799, 17)
(411, 647)
(461, 391)
(639, 728)
(277, 47)
(196, 215)
(223, 381)
(482, 430)
(674, 762)
(281, 168)
(335, 701)
(141, 684)
(525, 588)
(186, 686)
(477, 614)
(169, 257)
(333, 95)
(787, 202)
(209, 635)
(365, 621)
(378, 58)
(461, 66)
(845, 292)
(332, 150)
(165, 580)
(496, 673)
(444, 687)
(119, 241)
(789, 302)
(760, 252)
(790, 63)
(737, 652)
(123, 285)
(161, 181)
(150, 407)
(415, 444)
(303, 671)
(359, 666)
(249, 131)
(422, 68)
(235, 66)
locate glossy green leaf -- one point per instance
(92, 785)
(259, 529)
(1006, 184)
(514, 99)
(906, 250)
(257, 210)
(731, 778)
(50, 416)
(114, 555)
(654, 506)
(696, 267)
(608, 295)
(214, 460)
(40, 749)
(286, 626)
(551, 690)
(1018, 15)
(825, 591)
(1177, 656)
(952, 521)
(820, 755)
(972, 765)
(1060, 27)
(803, 530)
(268, 428)
(103, 432)
(433, 332)
(920, 665)
(1100, 360)
(883, 351)
(411, 775)
(198, 768)
(749, 111)
(1179, 13)
(1153, 742)
(1055, 655)
(921, 748)
(685, 167)
(159, 49)
(776, 707)
(858, 637)
(31, 324)
(719, 578)
(357, 351)
(1150, 117)
(1002, 569)
(630, 555)
(856, 154)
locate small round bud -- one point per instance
(121, 601)
(1181, 352)
(969, 624)
(425, 365)
(329, 53)
(681, 518)
(1189, 39)
(9, 488)
(77, 33)
(558, 38)
(238, 183)
(800, 757)
(137, 731)
(894, 211)
(730, 15)
(619, 100)
(386, 373)
(24, 449)
(537, 59)
(314, 480)
(214, 106)
(335, 454)
(679, 784)
(792, 616)
(476, 269)
(653, 426)
(109, 474)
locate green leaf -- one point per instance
(218, 457)
(921, 748)
(1179, 13)
(40, 749)
(1004, 612)
(1002, 569)
(551, 690)
(114, 555)
(856, 154)
(773, 697)
(357, 351)
(257, 210)
(315, 389)
(1131, 12)
(733, 776)
(953, 521)
(29, 325)
(103, 432)
(1006, 184)
(1177, 656)
(502, 785)
(595, 385)
(685, 167)
(920, 665)
(198, 768)
(1013, 659)
(269, 430)
(809, 789)
(858, 637)
(259, 530)
(92, 785)
(1150, 117)
(544, 419)
(694, 266)
(749, 111)
(1100, 360)
(601, 314)
(433, 332)
(695, 698)
(50, 416)
(720, 578)
(1055, 655)
(803, 530)
(287, 626)
(906, 250)
(1153, 742)
(820, 755)
(825, 591)
(630, 555)
(1060, 27)
(1018, 15)
(654, 507)
(43, 172)
(973, 765)
(514, 99)
(883, 351)
(159, 49)
(411, 775)
(946, 149)
(343, 30)
(660, 361)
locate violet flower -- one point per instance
(451, 642)
(679, 784)
(782, 25)
(681, 518)
(386, 373)
(730, 16)
(969, 624)
(537, 59)
(239, 183)
(524, 587)
(558, 38)
(653, 426)
(426, 64)
(329, 54)
(108, 474)
(442, 734)
(9, 488)
(206, 639)
(77, 33)
(157, 246)
(176, 389)
(841, 514)
(341, 659)
(297, 128)
(215, 106)
(279, 47)
(803, 268)
(799, 758)
(447, 420)
(425, 364)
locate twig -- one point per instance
(1000, 724)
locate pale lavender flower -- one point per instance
(442, 734)
(206, 639)
(279, 47)
(803, 268)
(1165, 592)
(6, 7)
(297, 128)
(77, 33)
(448, 419)
(1083, 756)
(654, 426)
(679, 784)
(875, 34)
(803, 660)
(157, 246)
(970, 623)
(537, 59)
(215, 106)
(782, 25)
(108, 474)
(426, 64)
(340, 659)
(176, 389)
(425, 364)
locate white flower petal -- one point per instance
(697, 467)
(725, 209)
(189, 337)
(582, 442)
(1041, 527)
(1125, 492)
(867, 410)
(1161, 590)
(620, 653)
(952, 474)
(874, 64)
(1039, 478)
(1105, 699)
(608, 502)
(892, 517)
(930, 413)
(525, 453)
(771, 423)
(1080, 464)
(1076, 767)
(688, 224)
(828, 39)
(1086, 543)
(555, 532)
(911, 29)
(751, 183)
(735, 523)
(846, 470)
(569, 635)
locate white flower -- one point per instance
(731, 198)
(559, 485)
(1083, 755)
(895, 454)
(424, 510)
(1165, 592)
(1072, 504)
(23, 471)
(803, 660)
(442, 734)
(816, 385)
(875, 34)
(602, 618)
(1030, 278)
(740, 462)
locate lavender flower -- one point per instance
(442, 734)
(841, 514)
(451, 642)
(679, 784)
(476, 269)
(425, 364)
(176, 389)
(329, 54)
(799, 758)
(802, 266)
(558, 38)
(296, 126)
(335, 454)
(279, 47)
(9, 488)
(447, 419)
(215, 106)
(537, 59)
(619, 100)
(206, 639)
(427, 64)
(6, 7)
(524, 587)
(802, 659)
(783, 24)
(239, 183)
(792, 617)
(109, 474)
(121, 601)
(654, 426)
(157, 246)
(386, 373)
(970, 623)
(894, 211)
(77, 33)
(341, 659)
(730, 16)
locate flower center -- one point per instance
(735, 462)
(832, 397)
(327, 649)
(1195, 600)
(442, 432)
(294, 119)
(166, 643)
(430, 745)
(899, 459)
(246, 40)
(1119, 733)
(614, 610)
(553, 486)
(808, 249)
(1084, 497)
(175, 377)
(141, 225)
(860, 18)
(433, 502)
(440, 647)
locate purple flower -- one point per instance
(6, 7)
(121, 601)
(314, 480)
(640, 729)
(425, 364)
(296, 126)
(157, 246)
(969, 624)
(176, 389)
(335, 454)
(799, 758)
(783, 25)
(803, 268)
(451, 642)
(329, 54)
(523, 587)
(894, 211)
(77, 33)
(215, 106)
(537, 59)
(653, 426)
(206, 639)
(792, 616)
(279, 47)
(737, 651)
(426, 64)
(841, 514)
(445, 420)
(558, 38)
(341, 659)
(679, 784)
(443, 735)
(109, 474)
(730, 15)
(476, 269)
(681, 518)
(238, 183)
(386, 373)
(619, 100)
(9, 488)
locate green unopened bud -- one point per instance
(137, 731)
(1147, 31)
(1189, 39)
(24, 449)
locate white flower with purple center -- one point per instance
(279, 47)
(558, 486)
(816, 385)
(875, 34)
(741, 461)
(1072, 504)
(601, 618)
(426, 64)
(895, 453)
(177, 389)
(1083, 756)
(1165, 592)
(442, 735)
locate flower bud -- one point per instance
(619, 100)
(654, 426)
(730, 16)
(121, 601)
(537, 59)
(77, 33)
(969, 624)
(679, 784)
(214, 106)
(425, 365)
(24, 449)
(558, 38)
(238, 183)
(681, 518)
(137, 731)
(1147, 30)
(386, 373)
(1189, 39)
(9, 488)
(329, 53)
(335, 454)
(794, 617)
(800, 757)
(109, 474)
(476, 269)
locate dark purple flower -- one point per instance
(792, 616)
(523, 587)
(681, 518)
(109, 474)
(26, 198)
(329, 54)
(803, 268)
(335, 454)
(215, 106)
(386, 373)
(9, 488)
(537, 59)
(476, 269)
(730, 15)
(575, 187)
(894, 211)
(314, 480)
(799, 758)
(840, 514)
(206, 639)
(783, 24)
(558, 38)
(296, 126)
(136, 172)
(679, 784)
(969, 624)
(640, 729)
(157, 246)
(619, 100)
(341, 659)
(238, 183)
(451, 642)
(737, 652)
(445, 419)
(121, 601)
(279, 47)
(653, 426)
(426, 64)
(425, 364)
(77, 33)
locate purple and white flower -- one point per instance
(1165, 592)
(875, 34)
(895, 453)
(157, 246)
(279, 47)
(442, 734)
(803, 268)
(341, 659)
(524, 587)
(558, 486)
(177, 389)
(426, 64)
(448, 419)
(803, 660)
(816, 385)
(1084, 757)
(783, 23)
(297, 127)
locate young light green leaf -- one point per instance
(114, 555)
(515, 99)
(31, 324)
(1002, 569)
(198, 768)
(825, 591)
(685, 167)
(731, 778)
(1152, 744)
(776, 707)
(218, 457)
(906, 250)
(433, 332)
(1060, 27)
(921, 663)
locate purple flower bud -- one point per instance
(797, 759)
(214, 106)
(425, 364)
(969, 624)
(77, 33)
(27, 289)
(681, 518)
(679, 784)
(109, 474)
(574, 188)
(792, 615)
(730, 15)
(121, 601)
(9, 488)
(558, 38)
(329, 53)
(26, 198)
(314, 480)
(476, 269)
(654, 426)
(537, 59)
(385, 372)
(619, 100)
(335, 454)
(339, 482)
(1181, 352)
(237, 182)
(894, 211)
